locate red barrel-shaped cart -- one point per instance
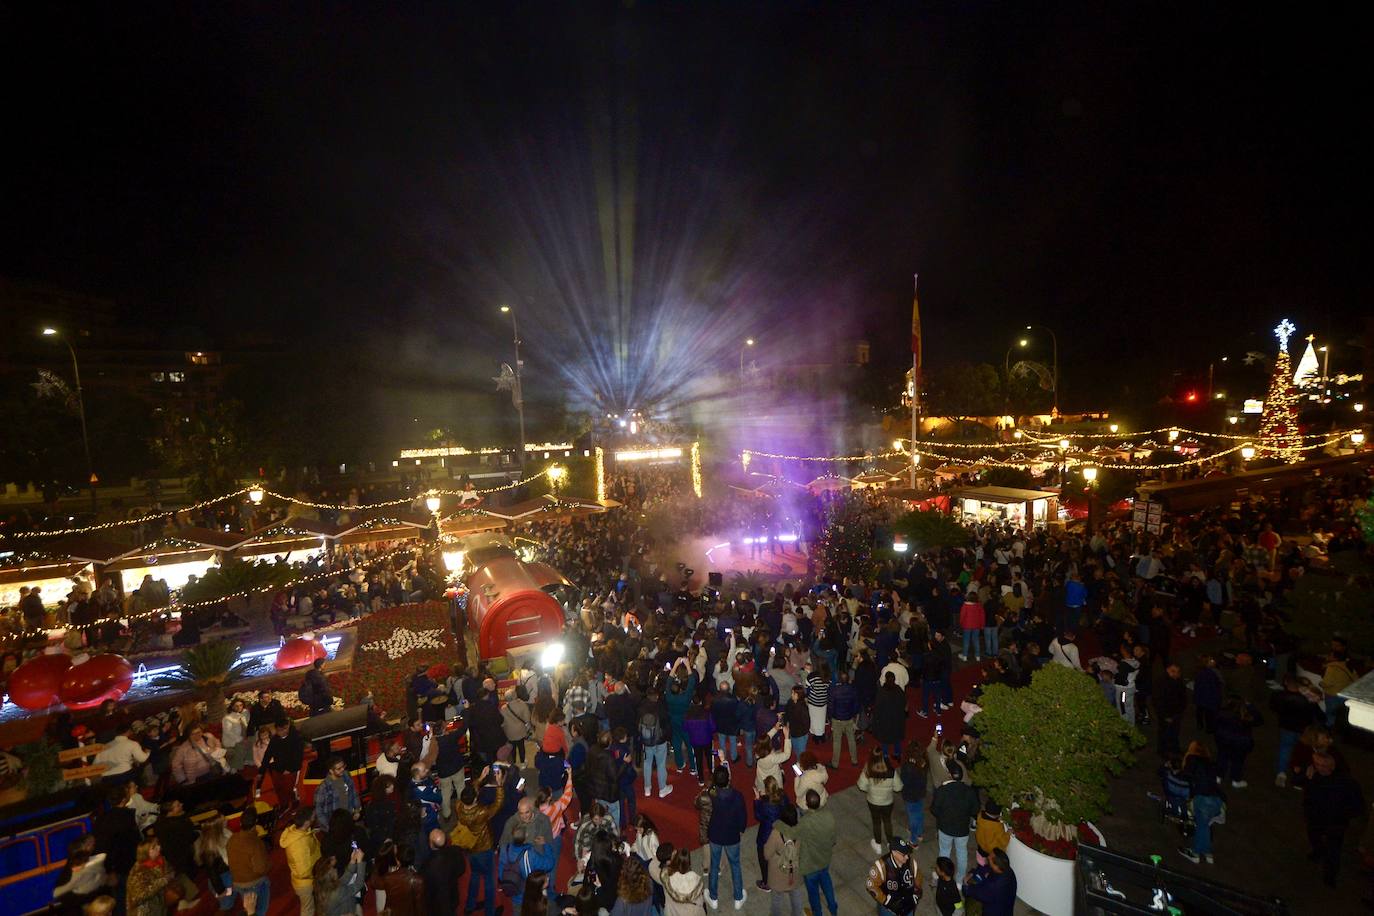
(508, 609)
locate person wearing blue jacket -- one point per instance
(1208, 690)
(527, 859)
(725, 715)
(723, 832)
(844, 709)
(993, 885)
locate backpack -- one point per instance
(306, 694)
(788, 856)
(462, 836)
(650, 731)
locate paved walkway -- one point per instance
(848, 867)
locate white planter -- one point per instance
(1044, 882)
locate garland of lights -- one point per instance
(1068, 459)
(1166, 430)
(178, 607)
(696, 469)
(340, 507)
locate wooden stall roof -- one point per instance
(39, 570)
(211, 537)
(1000, 494)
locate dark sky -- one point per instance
(1154, 181)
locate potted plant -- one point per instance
(41, 772)
(1046, 753)
(208, 669)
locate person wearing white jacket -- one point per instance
(880, 784)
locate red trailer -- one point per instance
(508, 609)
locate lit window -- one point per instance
(159, 377)
(175, 376)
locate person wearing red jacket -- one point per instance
(972, 619)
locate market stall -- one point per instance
(1022, 508)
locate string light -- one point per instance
(179, 607)
(339, 507)
(696, 469)
(600, 474)
(141, 520)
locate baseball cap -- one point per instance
(897, 844)
(955, 769)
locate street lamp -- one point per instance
(81, 411)
(1090, 478)
(255, 495)
(1247, 452)
(1114, 427)
(519, 393)
(557, 473)
(1054, 340)
(1063, 449)
(897, 445)
(1357, 438)
(748, 342)
(432, 503)
(1358, 406)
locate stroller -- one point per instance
(1175, 802)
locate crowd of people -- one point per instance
(753, 701)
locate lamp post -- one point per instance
(1090, 478)
(81, 411)
(748, 342)
(519, 394)
(1054, 341)
(1063, 452)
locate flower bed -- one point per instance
(390, 644)
(1059, 849)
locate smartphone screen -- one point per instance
(796, 769)
(939, 729)
(521, 784)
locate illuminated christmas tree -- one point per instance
(1279, 434)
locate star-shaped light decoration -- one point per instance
(1284, 331)
(403, 641)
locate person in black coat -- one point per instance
(117, 835)
(889, 715)
(380, 815)
(315, 689)
(485, 729)
(1330, 799)
(1171, 700)
(935, 675)
(266, 711)
(442, 870)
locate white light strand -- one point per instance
(341, 507)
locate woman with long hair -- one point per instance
(212, 854)
(880, 784)
(913, 777)
(336, 894)
(535, 901)
(634, 892)
(684, 890)
(768, 807)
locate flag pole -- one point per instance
(915, 372)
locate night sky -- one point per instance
(1153, 181)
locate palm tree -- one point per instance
(208, 669)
